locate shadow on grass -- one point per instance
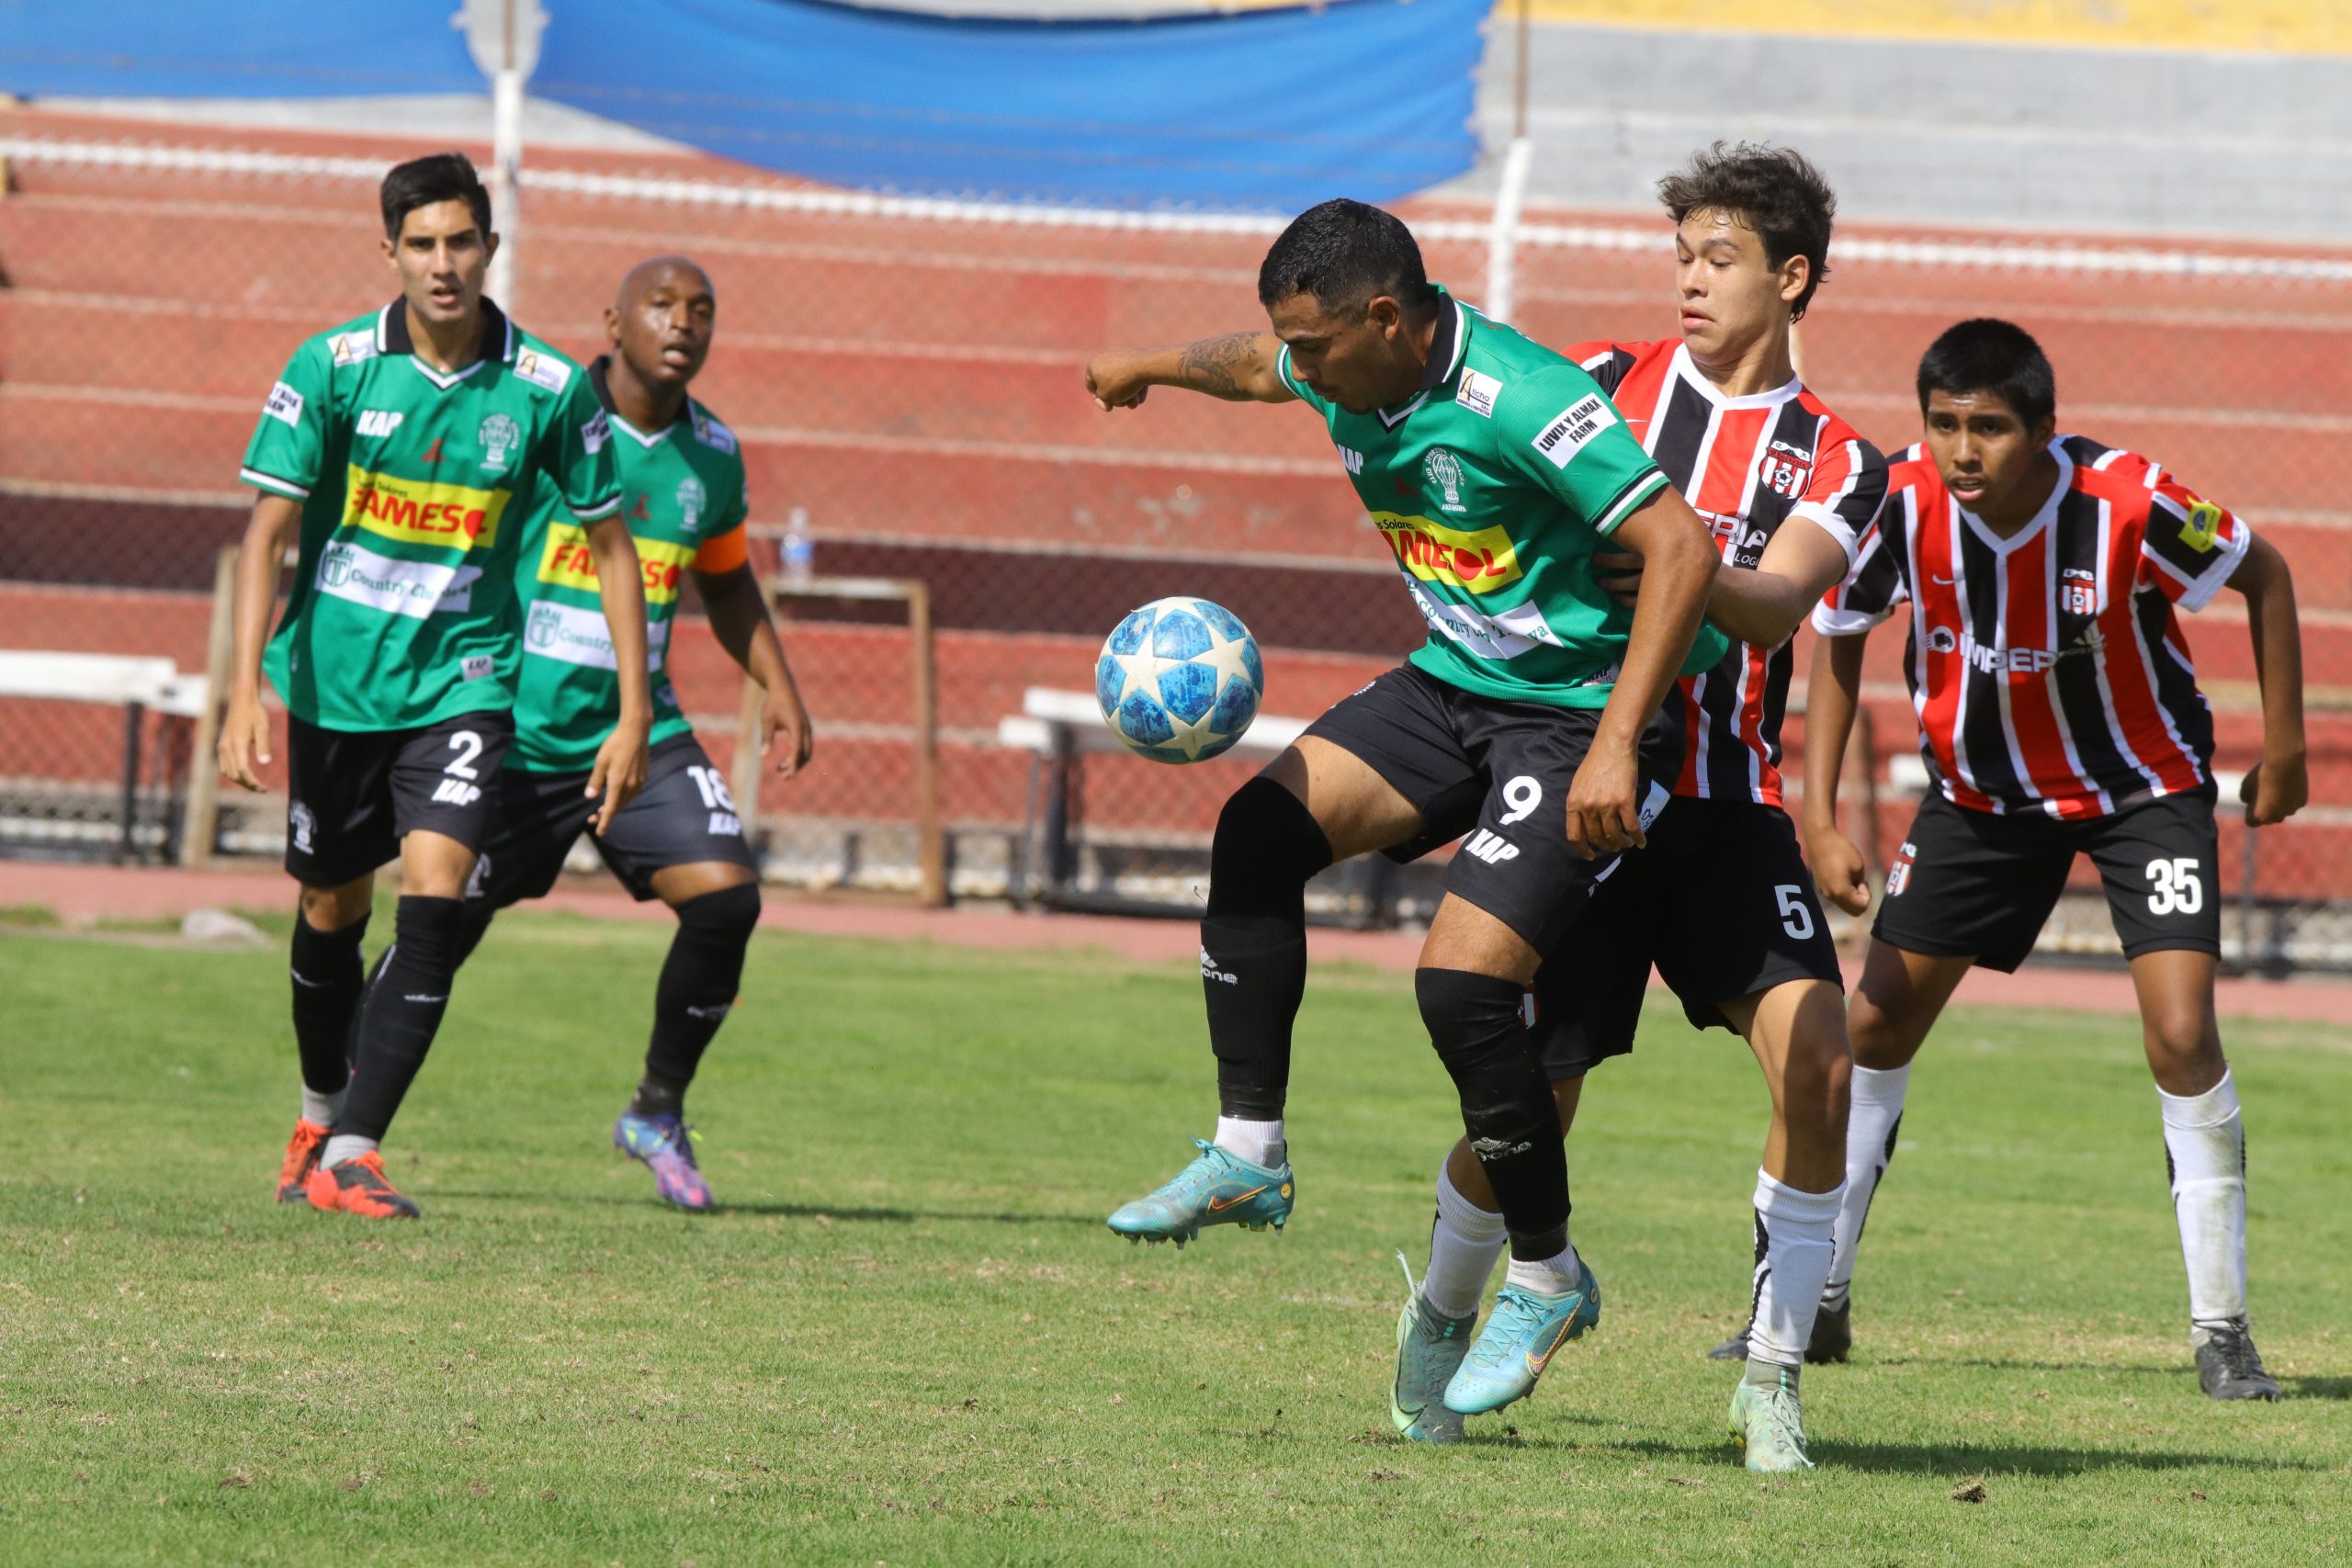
(792, 1211)
(1954, 1459)
(2317, 1388)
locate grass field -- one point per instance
(908, 1337)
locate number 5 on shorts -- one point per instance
(1797, 915)
(2179, 889)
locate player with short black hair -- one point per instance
(679, 840)
(1721, 902)
(1536, 711)
(2039, 577)
(403, 450)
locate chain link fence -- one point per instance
(907, 374)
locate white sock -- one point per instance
(321, 1110)
(1550, 1277)
(2205, 1149)
(1792, 1254)
(344, 1146)
(1464, 1241)
(1259, 1143)
(1876, 1117)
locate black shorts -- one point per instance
(353, 794)
(1721, 901)
(1979, 884)
(684, 814)
(1498, 772)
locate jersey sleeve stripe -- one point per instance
(272, 483)
(599, 511)
(1628, 499)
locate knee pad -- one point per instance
(729, 914)
(1267, 845)
(1474, 1022)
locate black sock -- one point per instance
(658, 1095)
(1474, 1021)
(1253, 943)
(697, 986)
(402, 1011)
(327, 980)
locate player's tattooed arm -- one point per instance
(1237, 367)
(2278, 785)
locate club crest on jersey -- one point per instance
(1941, 640)
(499, 435)
(1785, 470)
(691, 499)
(1443, 471)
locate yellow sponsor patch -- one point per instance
(417, 513)
(1476, 561)
(567, 563)
(2202, 529)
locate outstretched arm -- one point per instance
(1765, 606)
(1238, 367)
(2277, 786)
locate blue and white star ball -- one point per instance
(1179, 679)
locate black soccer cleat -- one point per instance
(2228, 1365)
(1833, 1336)
(1833, 1333)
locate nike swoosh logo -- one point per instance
(1940, 581)
(1219, 1205)
(1535, 1364)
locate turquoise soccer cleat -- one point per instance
(1522, 1334)
(1217, 1189)
(1430, 1346)
(1769, 1421)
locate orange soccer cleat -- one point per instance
(301, 1158)
(359, 1186)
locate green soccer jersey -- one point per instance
(402, 611)
(1494, 486)
(681, 491)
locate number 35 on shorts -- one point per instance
(2177, 888)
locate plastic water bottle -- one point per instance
(799, 549)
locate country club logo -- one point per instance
(691, 499)
(1443, 471)
(544, 627)
(500, 435)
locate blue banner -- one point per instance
(1259, 110)
(246, 49)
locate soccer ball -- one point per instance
(1179, 679)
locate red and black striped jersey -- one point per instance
(1746, 465)
(2048, 668)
